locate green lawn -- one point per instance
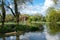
(24, 23)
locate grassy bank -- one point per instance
(26, 28)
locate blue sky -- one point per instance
(38, 6)
(41, 2)
(35, 7)
(35, 2)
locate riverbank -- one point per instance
(11, 34)
(25, 28)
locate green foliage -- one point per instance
(34, 28)
(7, 28)
(53, 16)
(24, 28)
(55, 1)
(9, 18)
(28, 18)
(35, 18)
(27, 28)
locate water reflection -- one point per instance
(17, 37)
(33, 36)
(2, 37)
(10, 38)
(53, 31)
(27, 36)
(53, 28)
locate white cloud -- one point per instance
(37, 8)
(32, 9)
(47, 4)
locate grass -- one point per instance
(44, 22)
(11, 27)
(8, 23)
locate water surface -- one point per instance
(51, 32)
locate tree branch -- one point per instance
(11, 10)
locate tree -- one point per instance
(53, 15)
(9, 18)
(3, 13)
(16, 13)
(35, 18)
(55, 1)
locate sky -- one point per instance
(37, 6)
(38, 2)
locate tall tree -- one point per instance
(16, 11)
(16, 3)
(3, 13)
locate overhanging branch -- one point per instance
(11, 10)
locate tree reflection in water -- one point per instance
(17, 37)
(4, 38)
(53, 28)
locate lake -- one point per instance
(50, 32)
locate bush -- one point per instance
(34, 28)
(24, 28)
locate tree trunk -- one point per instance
(17, 37)
(17, 14)
(3, 13)
(16, 11)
